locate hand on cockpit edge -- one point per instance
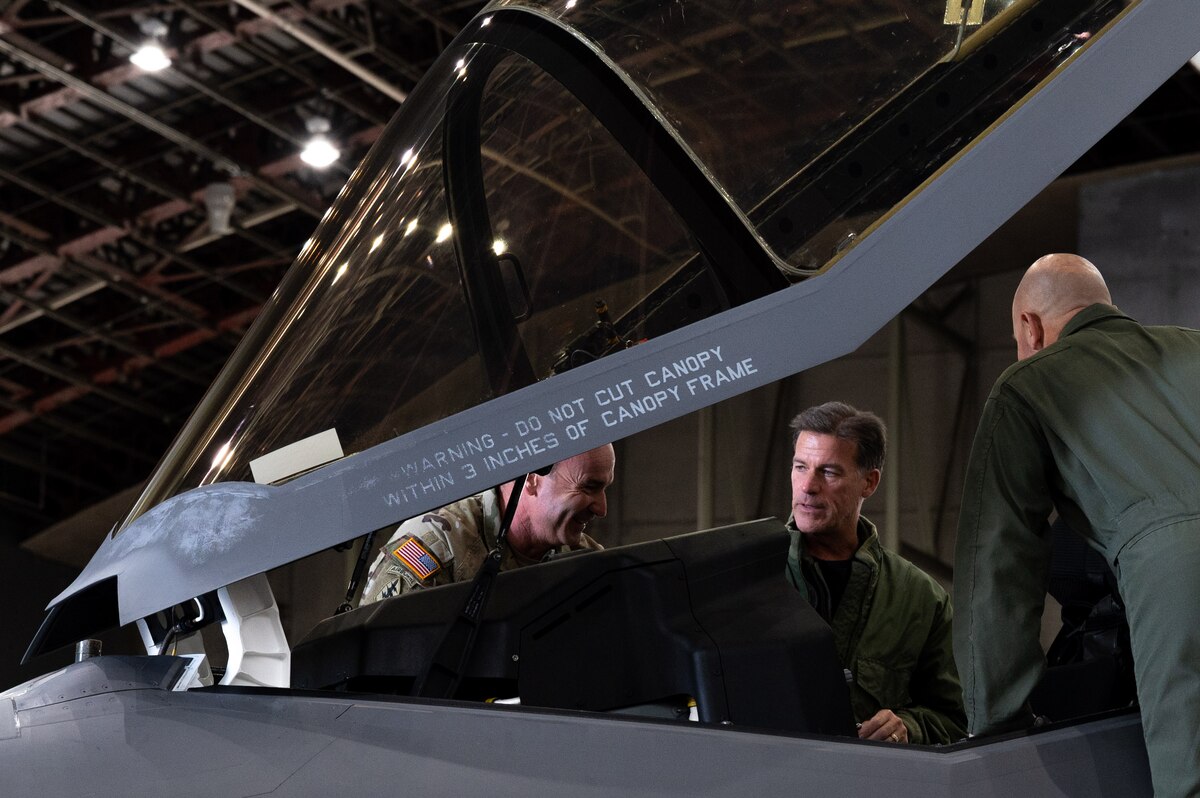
(884, 726)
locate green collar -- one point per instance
(868, 542)
(1090, 315)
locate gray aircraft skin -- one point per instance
(441, 330)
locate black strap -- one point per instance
(364, 555)
(444, 671)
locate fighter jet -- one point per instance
(590, 218)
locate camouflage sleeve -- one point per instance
(589, 543)
(417, 555)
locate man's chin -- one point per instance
(573, 535)
(809, 522)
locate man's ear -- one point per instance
(531, 484)
(872, 478)
(1034, 332)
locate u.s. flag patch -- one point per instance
(412, 554)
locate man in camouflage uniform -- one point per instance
(450, 544)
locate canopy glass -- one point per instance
(574, 177)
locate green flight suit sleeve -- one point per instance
(936, 714)
(1001, 565)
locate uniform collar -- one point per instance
(869, 547)
(491, 504)
(1090, 315)
(868, 541)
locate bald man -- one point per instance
(1099, 418)
(449, 544)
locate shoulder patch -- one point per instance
(416, 557)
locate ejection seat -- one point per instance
(1090, 663)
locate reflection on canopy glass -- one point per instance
(836, 110)
(590, 233)
(385, 323)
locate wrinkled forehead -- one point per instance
(596, 467)
(817, 448)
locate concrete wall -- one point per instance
(1143, 231)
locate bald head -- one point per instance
(555, 508)
(1053, 290)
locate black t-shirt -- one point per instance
(837, 575)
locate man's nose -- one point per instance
(808, 483)
(599, 506)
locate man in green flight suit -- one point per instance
(1099, 418)
(891, 622)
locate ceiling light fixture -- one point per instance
(219, 199)
(319, 152)
(151, 57)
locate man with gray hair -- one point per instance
(891, 622)
(1099, 419)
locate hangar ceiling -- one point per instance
(119, 302)
(120, 295)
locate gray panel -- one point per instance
(148, 742)
(95, 676)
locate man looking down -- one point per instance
(449, 544)
(1099, 418)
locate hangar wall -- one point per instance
(1145, 228)
(27, 583)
